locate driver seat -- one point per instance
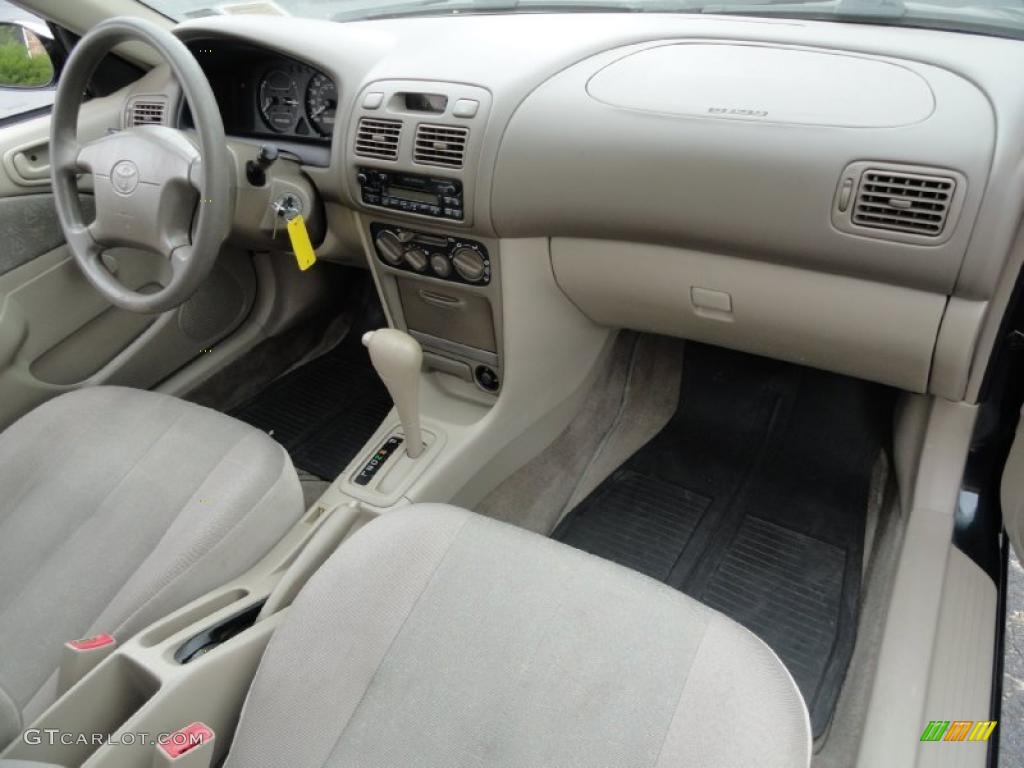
(117, 507)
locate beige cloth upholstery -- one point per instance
(118, 506)
(440, 638)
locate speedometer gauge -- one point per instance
(321, 103)
(279, 100)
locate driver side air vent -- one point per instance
(378, 138)
(903, 202)
(441, 145)
(146, 112)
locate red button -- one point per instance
(186, 739)
(91, 643)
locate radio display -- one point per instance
(415, 195)
(412, 193)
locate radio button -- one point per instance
(417, 259)
(469, 264)
(440, 264)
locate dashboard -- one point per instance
(266, 95)
(842, 195)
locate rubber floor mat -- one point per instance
(324, 411)
(752, 499)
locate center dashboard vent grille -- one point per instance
(378, 138)
(146, 112)
(441, 145)
(903, 202)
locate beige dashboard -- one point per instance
(839, 195)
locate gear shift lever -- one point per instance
(398, 357)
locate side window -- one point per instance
(27, 74)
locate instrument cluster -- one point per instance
(265, 95)
(297, 100)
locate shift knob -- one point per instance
(398, 357)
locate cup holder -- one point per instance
(93, 710)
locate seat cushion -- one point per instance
(118, 506)
(437, 637)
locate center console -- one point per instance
(413, 165)
(444, 289)
(414, 175)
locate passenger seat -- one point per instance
(436, 637)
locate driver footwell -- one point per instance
(323, 412)
(752, 500)
(326, 406)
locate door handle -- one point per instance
(29, 166)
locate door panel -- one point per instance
(56, 332)
(29, 228)
(1012, 495)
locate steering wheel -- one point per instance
(154, 189)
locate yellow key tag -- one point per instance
(301, 245)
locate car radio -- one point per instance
(425, 195)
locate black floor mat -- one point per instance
(324, 411)
(752, 500)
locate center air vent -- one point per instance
(903, 202)
(146, 112)
(378, 138)
(441, 145)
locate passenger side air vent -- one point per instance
(378, 138)
(903, 202)
(440, 145)
(146, 112)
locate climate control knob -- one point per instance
(417, 259)
(440, 264)
(390, 248)
(469, 264)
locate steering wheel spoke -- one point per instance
(91, 231)
(195, 175)
(68, 159)
(88, 153)
(148, 179)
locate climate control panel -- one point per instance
(442, 256)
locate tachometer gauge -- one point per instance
(279, 100)
(321, 103)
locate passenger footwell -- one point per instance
(752, 500)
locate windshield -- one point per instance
(996, 17)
